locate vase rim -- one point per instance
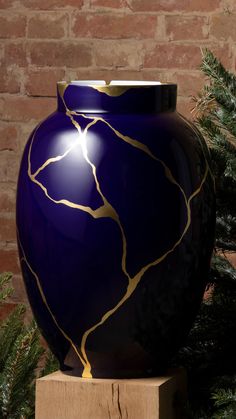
(113, 83)
(117, 96)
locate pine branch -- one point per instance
(51, 364)
(227, 400)
(9, 331)
(5, 289)
(222, 269)
(222, 397)
(216, 136)
(226, 231)
(223, 83)
(226, 121)
(18, 373)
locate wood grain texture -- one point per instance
(60, 396)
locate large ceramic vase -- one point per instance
(115, 221)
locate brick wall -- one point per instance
(43, 41)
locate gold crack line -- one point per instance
(135, 281)
(62, 86)
(52, 160)
(131, 141)
(62, 89)
(46, 303)
(111, 90)
(114, 214)
(97, 213)
(60, 157)
(110, 209)
(136, 144)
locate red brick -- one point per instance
(21, 108)
(2, 102)
(185, 107)
(6, 4)
(25, 131)
(28, 313)
(9, 261)
(108, 26)
(174, 5)
(19, 295)
(113, 4)
(188, 84)
(223, 53)
(12, 26)
(7, 199)
(45, 25)
(9, 80)
(15, 53)
(2, 59)
(6, 309)
(118, 55)
(51, 4)
(7, 229)
(58, 54)
(156, 75)
(223, 26)
(9, 167)
(173, 56)
(43, 82)
(103, 74)
(181, 27)
(8, 138)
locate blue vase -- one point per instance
(115, 221)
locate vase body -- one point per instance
(115, 222)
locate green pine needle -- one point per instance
(9, 331)
(5, 289)
(223, 83)
(51, 364)
(19, 370)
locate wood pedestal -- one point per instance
(60, 396)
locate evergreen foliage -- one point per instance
(210, 353)
(20, 352)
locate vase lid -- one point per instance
(117, 96)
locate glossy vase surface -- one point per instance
(115, 222)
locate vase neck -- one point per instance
(116, 97)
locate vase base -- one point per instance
(117, 374)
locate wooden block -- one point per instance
(60, 396)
